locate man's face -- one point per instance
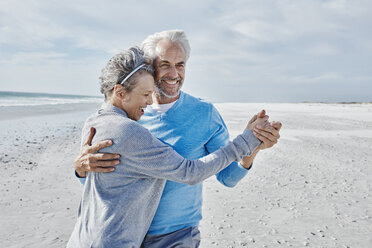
(169, 68)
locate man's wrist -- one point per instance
(243, 166)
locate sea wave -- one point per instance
(8, 99)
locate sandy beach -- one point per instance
(313, 189)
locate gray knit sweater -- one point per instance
(117, 208)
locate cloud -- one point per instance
(34, 58)
(323, 50)
(238, 45)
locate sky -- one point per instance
(241, 50)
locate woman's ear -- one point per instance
(120, 92)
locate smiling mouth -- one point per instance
(171, 82)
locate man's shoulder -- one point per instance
(197, 103)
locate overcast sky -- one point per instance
(241, 50)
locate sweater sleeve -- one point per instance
(145, 156)
(233, 173)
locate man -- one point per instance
(193, 128)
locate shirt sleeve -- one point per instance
(235, 172)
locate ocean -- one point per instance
(8, 99)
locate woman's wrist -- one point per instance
(80, 173)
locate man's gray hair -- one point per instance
(177, 36)
(120, 66)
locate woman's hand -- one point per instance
(257, 119)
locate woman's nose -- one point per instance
(149, 100)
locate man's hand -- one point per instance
(90, 160)
(268, 133)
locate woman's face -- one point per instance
(141, 96)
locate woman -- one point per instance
(117, 208)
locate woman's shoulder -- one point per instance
(124, 125)
(127, 134)
(114, 125)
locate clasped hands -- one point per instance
(267, 132)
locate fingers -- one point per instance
(106, 156)
(102, 166)
(265, 136)
(91, 164)
(252, 124)
(94, 160)
(262, 119)
(253, 119)
(98, 146)
(266, 143)
(92, 132)
(268, 132)
(276, 124)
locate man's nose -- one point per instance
(172, 72)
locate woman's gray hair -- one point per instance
(120, 66)
(177, 36)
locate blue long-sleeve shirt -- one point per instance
(193, 128)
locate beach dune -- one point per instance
(312, 189)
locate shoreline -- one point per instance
(17, 112)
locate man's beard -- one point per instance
(160, 91)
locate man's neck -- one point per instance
(159, 99)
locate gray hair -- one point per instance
(177, 36)
(120, 66)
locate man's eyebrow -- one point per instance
(164, 61)
(167, 62)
